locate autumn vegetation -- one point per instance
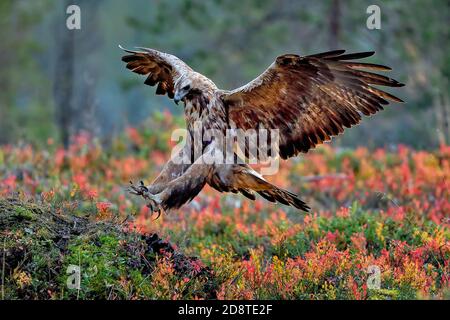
(388, 208)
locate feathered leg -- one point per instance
(170, 172)
(180, 190)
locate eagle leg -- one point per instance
(154, 201)
(180, 190)
(140, 190)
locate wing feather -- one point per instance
(310, 99)
(163, 69)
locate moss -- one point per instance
(39, 245)
(383, 294)
(24, 213)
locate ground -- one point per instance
(39, 246)
(386, 210)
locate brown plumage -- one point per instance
(309, 99)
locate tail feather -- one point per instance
(285, 197)
(243, 179)
(246, 178)
(248, 193)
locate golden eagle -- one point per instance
(308, 99)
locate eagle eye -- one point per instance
(186, 87)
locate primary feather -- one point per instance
(310, 99)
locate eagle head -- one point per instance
(189, 86)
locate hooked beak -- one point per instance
(178, 97)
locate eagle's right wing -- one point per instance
(310, 99)
(163, 69)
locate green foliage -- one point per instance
(38, 246)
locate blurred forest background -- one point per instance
(57, 82)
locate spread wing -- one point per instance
(162, 69)
(310, 99)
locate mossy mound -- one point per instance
(39, 249)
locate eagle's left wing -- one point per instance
(163, 69)
(309, 99)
